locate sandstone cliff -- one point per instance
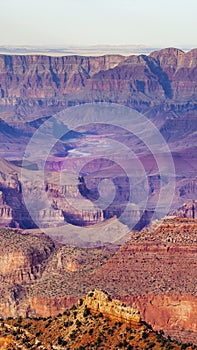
(102, 302)
(154, 271)
(189, 208)
(22, 256)
(45, 77)
(167, 73)
(96, 321)
(37, 86)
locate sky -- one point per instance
(157, 23)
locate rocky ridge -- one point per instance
(154, 271)
(27, 75)
(96, 321)
(165, 73)
(188, 209)
(38, 86)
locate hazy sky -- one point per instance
(92, 22)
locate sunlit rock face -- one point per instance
(39, 279)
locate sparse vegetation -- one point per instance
(86, 332)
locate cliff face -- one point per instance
(131, 77)
(163, 76)
(72, 201)
(181, 70)
(28, 260)
(19, 262)
(6, 212)
(154, 271)
(45, 77)
(101, 302)
(95, 321)
(175, 314)
(169, 73)
(189, 208)
(64, 199)
(38, 84)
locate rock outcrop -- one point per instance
(154, 271)
(175, 314)
(102, 302)
(64, 201)
(22, 256)
(188, 209)
(180, 69)
(6, 212)
(86, 326)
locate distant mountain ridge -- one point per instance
(161, 85)
(78, 50)
(165, 74)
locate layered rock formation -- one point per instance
(65, 201)
(46, 77)
(100, 302)
(180, 69)
(167, 73)
(6, 212)
(13, 211)
(161, 85)
(22, 256)
(154, 271)
(86, 326)
(188, 210)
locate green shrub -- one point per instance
(68, 323)
(61, 341)
(73, 307)
(129, 347)
(80, 302)
(78, 323)
(19, 319)
(86, 311)
(144, 335)
(120, 345)
(27, 325)
(66, 313)
(91, 330)
(125, 343)
(110, 331)
(73, 335)
(99, 340)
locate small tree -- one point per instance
(86, 311)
